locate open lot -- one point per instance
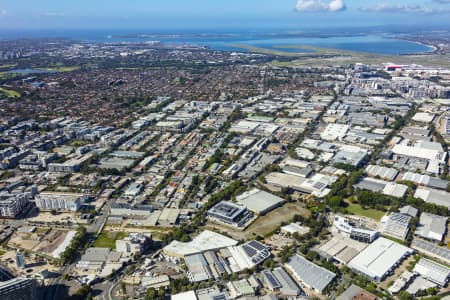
(108, 239)
(356, 209)
(266, 224)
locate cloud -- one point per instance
(442, 1)
(320, 5)
(406, 8)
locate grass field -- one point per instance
(108, 239)
(266, 224)
(356, 209)
(59, 68)
(9, 93)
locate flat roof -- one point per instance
(259, 201)
(379, 258)
(207, 240)
(432, 271)
(190, 295)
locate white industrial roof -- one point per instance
(259, 201)
(420, 152)
(379, 258)
(433, 196)
(207, 240)
(190, 295)
(432, 226)
(423, 117)
(432, 271)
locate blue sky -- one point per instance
(176, 14)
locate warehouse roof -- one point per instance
(433, 196)
(432, 271)
(431, 226)
(310, 273)
(207, 240)
(379, 258)
(383, 172)
(259, 201)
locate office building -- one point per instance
(60, 201)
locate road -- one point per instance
(98, 223)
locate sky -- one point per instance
(216, 14)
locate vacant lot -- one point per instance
(108, 239)
(356, 209)
(266, 224)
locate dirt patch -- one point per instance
(266, 224)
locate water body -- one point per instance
(28, 71)
(226, 41)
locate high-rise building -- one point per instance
(18, 289)
(20, 260)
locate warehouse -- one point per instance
(379, 259)
(207, 240)
(309, 274)
(395, 225)
(381, 186)
(382, 172)
(433, 196)
(426, 180)
(259, 201)
(432, 271)
(431, 227)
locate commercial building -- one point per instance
(431, 227)
(344, 226)
(379, 259)
(229, 213)
(134, 243)
(426, 180)
(248, 255)
(395, 225)
(60, 201)
(288, 285)
(433, 196)
(381, 186)
(382, 172)
(100, 261)
(189, 295)
(354, 292)
(240, 288)
(258, 201)
(341, 249)
(18, 289)
(350, 157)
(197, 268)
(432, 250)
(334, 132)
(432, 271)
(309, 274)
(205, 241)
(11, 205)
(422, 149)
